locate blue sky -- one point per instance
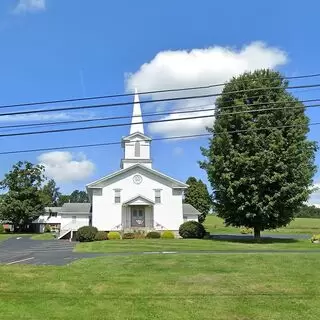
(56, 49)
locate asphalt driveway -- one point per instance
(23, 250)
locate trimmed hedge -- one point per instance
(100, 236)
(114, 235)
(167, 235)
(192, 230)
(86, 234)
(128, 235)
(153, 235)
(1, 228)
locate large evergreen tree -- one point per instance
(51, 194)
(23, 201)
(198, 196)
(260, 163)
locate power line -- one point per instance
(168, 120)
(151, 114)
(152, 101)
(155, 139)
(141, 93)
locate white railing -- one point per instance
(158, 226)
(70, 227)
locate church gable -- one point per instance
(136, 171)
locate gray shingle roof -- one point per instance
(188, 209)
(76, 208)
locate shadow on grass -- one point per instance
(250, 239)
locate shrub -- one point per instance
(114, 235)
(100, 236)
(139, 234)
(207, 236)
(167, 235)
(192, 229)
(246, 231)
(1, 228)
(315, 238)
(86, 234)
(153, 235)
(47, 228)
(128, 235)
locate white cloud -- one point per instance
(37, 117)
(63, 166)
(24, 6)
(198, 67)
(50, 116)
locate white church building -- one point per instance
(133, 198)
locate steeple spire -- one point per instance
(136, 122)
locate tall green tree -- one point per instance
(79, 196)
(260, 163)
(51, 194)
(63, 198)
(198, 196)
(23, 202)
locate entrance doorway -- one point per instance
(138, 216)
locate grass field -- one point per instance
(43, 236)
(214, 224)
(152, 245)
(222, 287)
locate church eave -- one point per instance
(176, 184)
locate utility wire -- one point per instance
(140, 93)
(152, 101)
(155, 139)
(152, 114)
(167, 120)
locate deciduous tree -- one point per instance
(259, 163)
(23, 201)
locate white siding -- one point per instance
(106, 215)
(190, 217)
(130, 147)
(67, 223)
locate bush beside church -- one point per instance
(190, 229)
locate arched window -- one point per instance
(137, 149)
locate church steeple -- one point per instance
(136, 145)
(136, 122)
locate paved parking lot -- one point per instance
(23, 250)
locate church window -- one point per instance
(137, 149)
(117, 197)
(157, 196)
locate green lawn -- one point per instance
(189, 287)
(5, 236)
(310, 226)
(43, 236)
(151, 245)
